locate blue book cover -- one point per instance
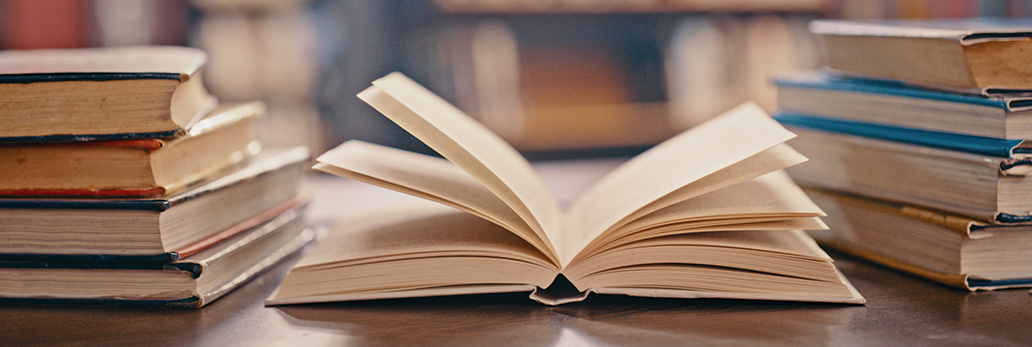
(828, 81)
(1002, 148)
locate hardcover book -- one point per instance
(150, 228)
(943, 247)
(986, 56)
(988, 180)
(708, 213)
(125, 168)
(193, 281)
(101, 93)
(897, 104)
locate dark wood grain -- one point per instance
(900, 311)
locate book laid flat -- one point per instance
(946, 248)
(193, 281)
(897, 104)
(985, 187)
(101, 93)
(708, 213)
(141, 167)
(1003, 148)
(976, 56)
(150, 228)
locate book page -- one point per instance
(732, 259)
(470, 146)
(396, 250)
(427, 177)
(771, 197)
(699, 152)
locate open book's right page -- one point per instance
(738, 146)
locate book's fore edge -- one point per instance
(418, 293)
(186, 302)
(255, 166)
(295, 246)
(854, 295)
(287, 159)
(191, 264)
(293, 208)
(959, 281)
(1000, 148)
(856, 84)
(953, 222)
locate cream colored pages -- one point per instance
(770, 201)
(419, 247)
(778, 251)
(427, 177)
(471, 146)
(694, 154)
(418, 230)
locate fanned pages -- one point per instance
(708, 213)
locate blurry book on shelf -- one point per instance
(984, 178)
(538, 93)
(986, 56)
(93, 93)
(191, 281)
(706, 214)
(716, 62)
(628, 6)
(943, 247)
(161, 227)
(265, 50)
(135, 166)
(894, 103)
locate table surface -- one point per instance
(900, 310)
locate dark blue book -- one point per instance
(995, 147)
(151, 229)
(981, 178)
(897, 104)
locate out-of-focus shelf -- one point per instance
(572, 127)
(629, 6)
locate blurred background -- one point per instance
(556, 78)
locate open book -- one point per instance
(707, 213)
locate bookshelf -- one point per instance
(577, 77)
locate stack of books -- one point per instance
(123, 181)
(917, 134)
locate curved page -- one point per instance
(469, 145)
(426, 177)
(770, 197)
(699, 152)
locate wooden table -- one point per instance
(901, 310)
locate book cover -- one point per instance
(946, 248)
(995, 147)
(192, 281)
(984, 187)
(897, 104)
(58, 95)
(977, 56)
(150, 226)
(141, 167)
